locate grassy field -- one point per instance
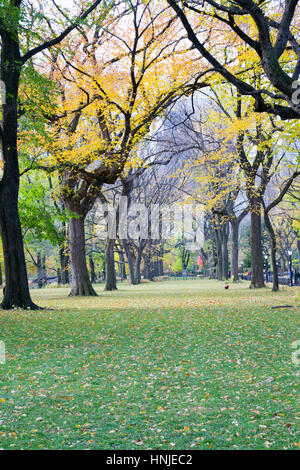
(172, 365)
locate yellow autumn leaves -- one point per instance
(113, 87)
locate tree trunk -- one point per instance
(39, 270)
(110, 281)
(148, 274)
(283, 263)
(138, 265)
(271, 232)
(16, 281)
(130, 261)
(225, 261)
(81, 284)
(298, 249)
(1, 281)
(92, 268)
(66, 256)
(64, 263)
(257, 268)
(235, 250)
(123, 268)
(219, 262)
(160, 267)
(59, 277)
(44, 270)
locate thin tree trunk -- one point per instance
(257, 277)
(66, 257)
(160, 267)
(110, 281)
(235, 250)
(64, 263)
(39, 270)
(271, 232)
(81, 284)
(138, 265)
(219, 264)
(1, 280)
(130, 262)
(59, 277)
(214, 260)
(66, 274)
(44, 270)
(148, 274)
(225, 261)
(92, 268)
(16, 280)
(123, 268)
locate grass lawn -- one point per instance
(171, 365)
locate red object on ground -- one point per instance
(226, 287)
(200, 263)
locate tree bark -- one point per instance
(110, 281)
(130, 261)
(283, 262)
(16, 280)
(257, 268)
(160, 267)
(81, 284)
(16, 288)
(59, 281)
(235, 249)
(123, 268)
(64, 262)
(271, 232)
(148, 273)
(39, 270)
(219, 261)
(138, 265)
(92, 268)
(225, 261)
(44, 270)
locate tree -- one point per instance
(13, 60)
(43, 218)
(264, 49)
(267, 209)
(148, 185)
(216, 178)
(106, 115)
(238, 151)
(258, 157)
